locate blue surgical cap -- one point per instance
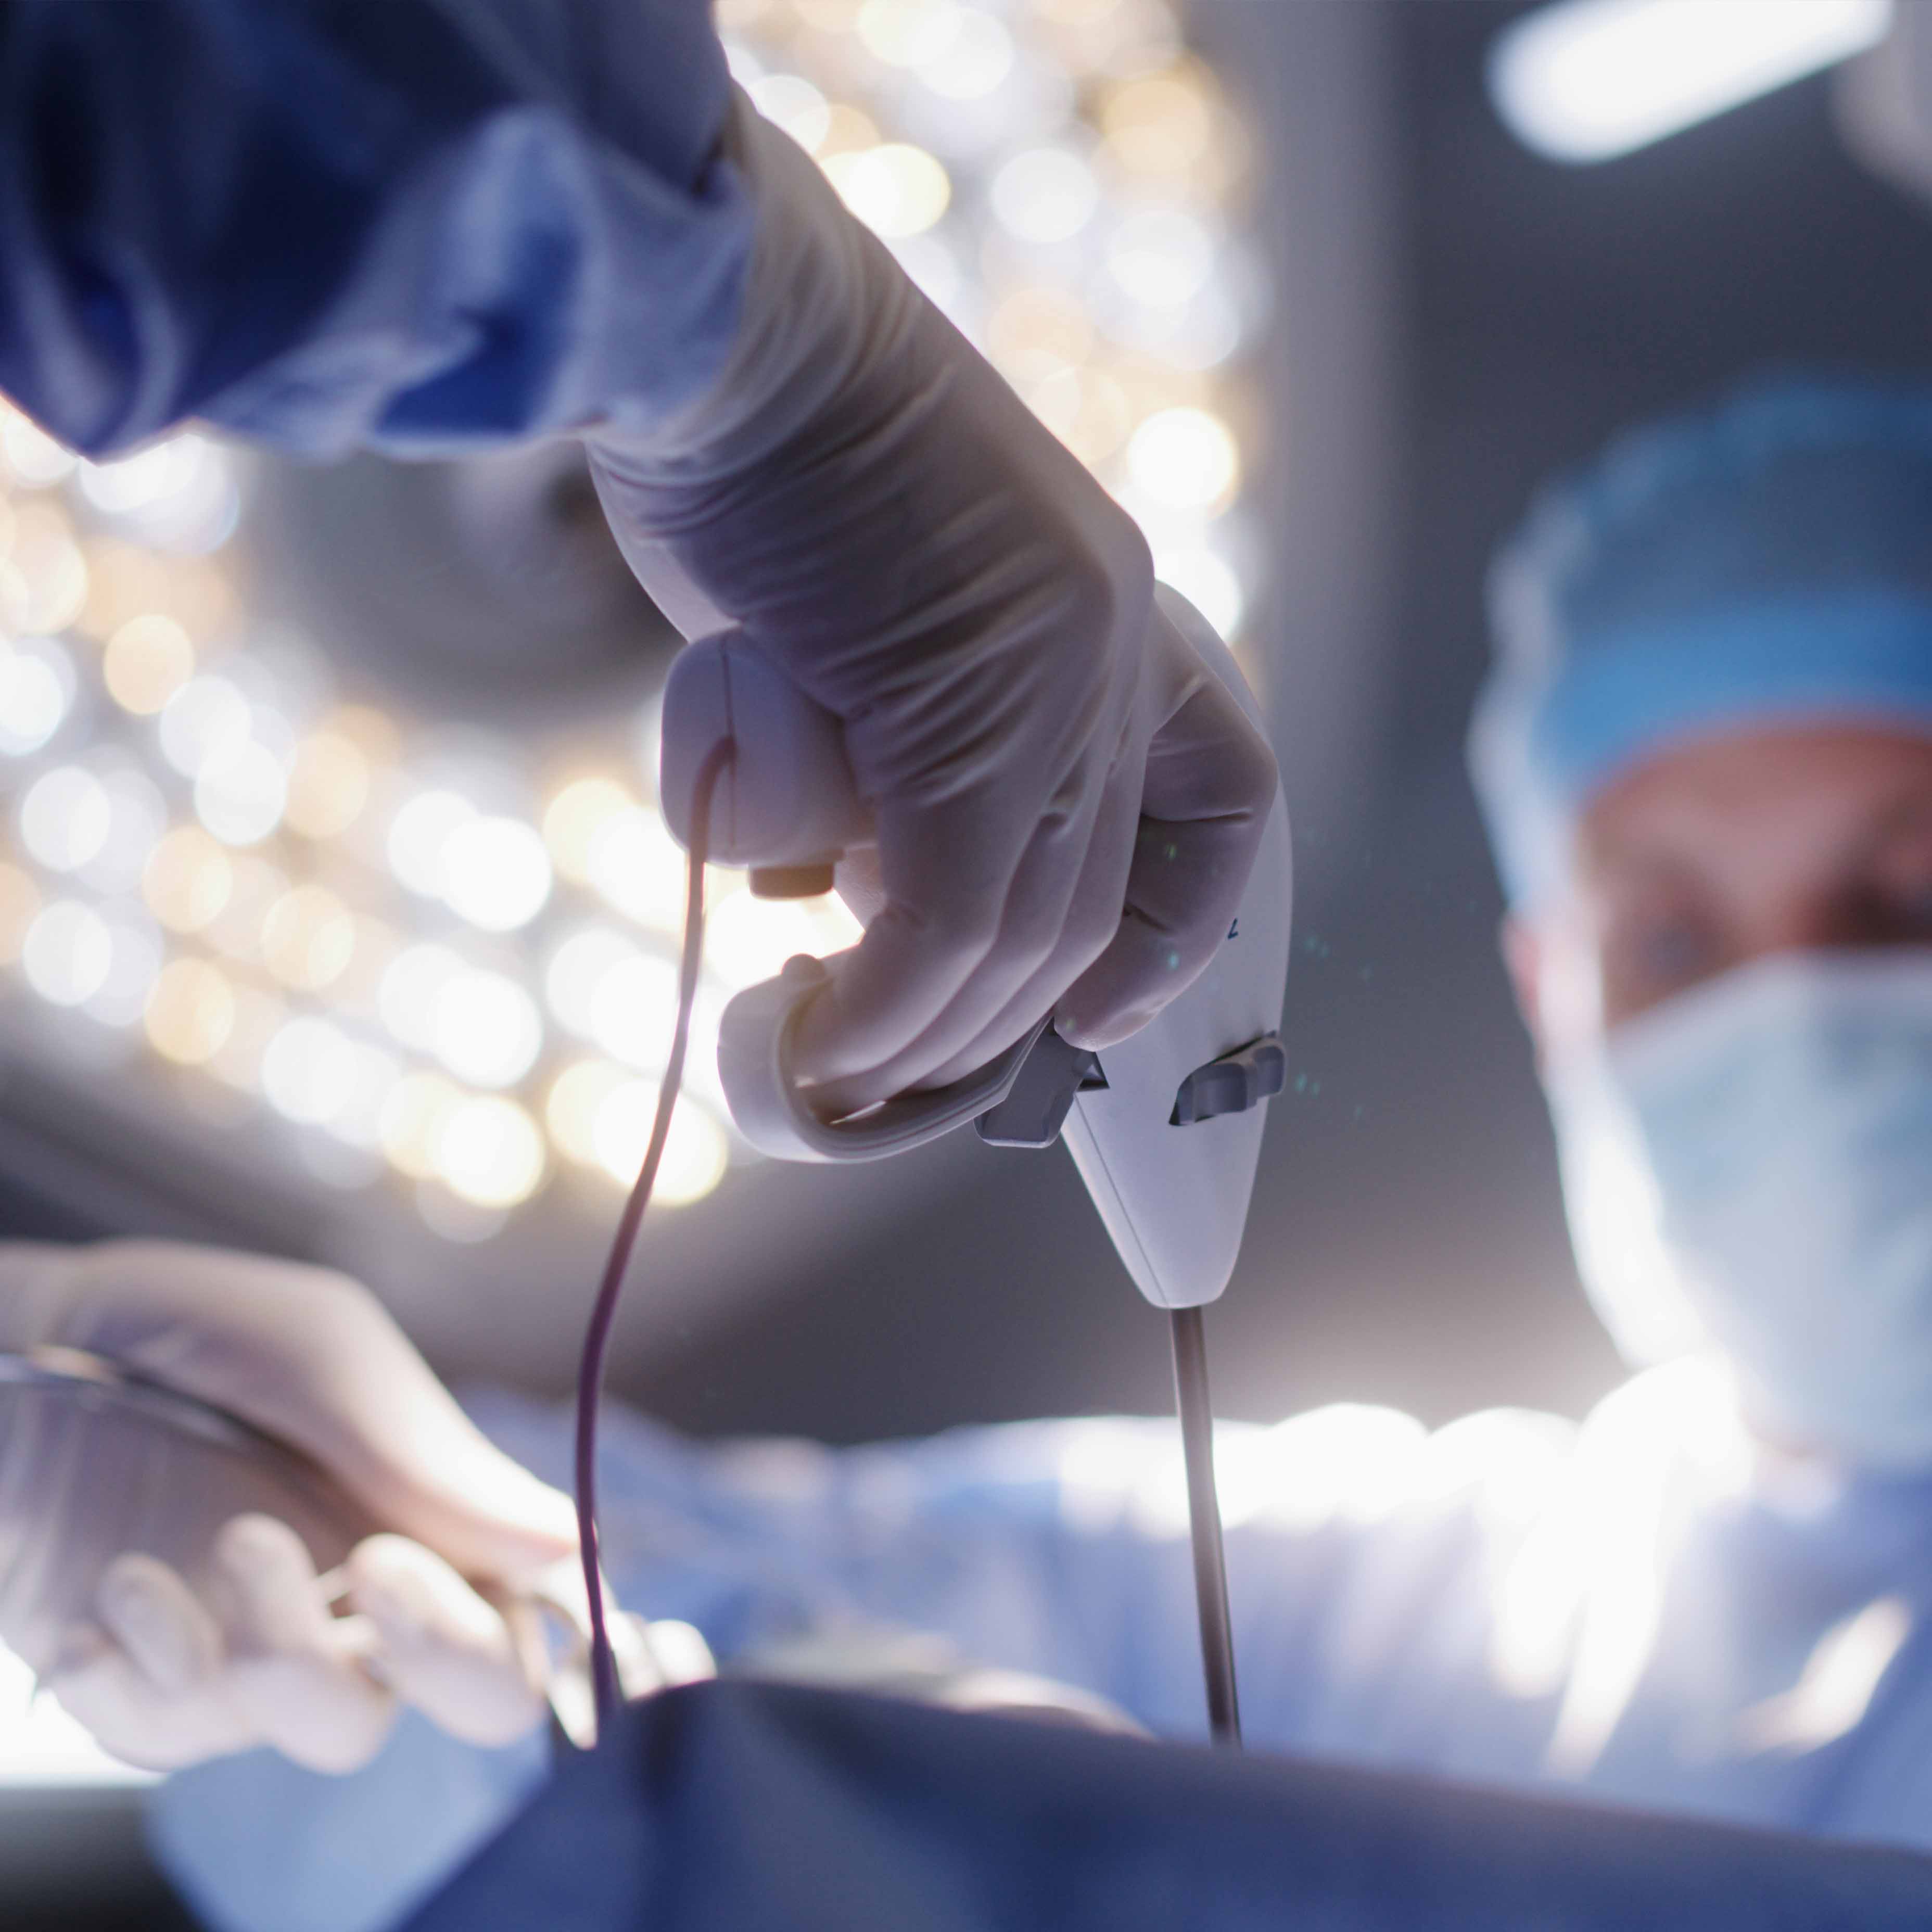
(1766, 562)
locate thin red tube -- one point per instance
(604, 1309)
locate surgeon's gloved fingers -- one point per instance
(1210, 784)
(159, 1622)
(1088, 919)
(120, 1707)
(439, 1646)
(947, 874)
(679, 1653)
(293, 1669)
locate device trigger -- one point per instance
(1232, 1084)
(1035, 1107)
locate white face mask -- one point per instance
(1751, 1164)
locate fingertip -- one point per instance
(150, 1611)
(254, 1548)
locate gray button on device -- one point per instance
(1233, 1084)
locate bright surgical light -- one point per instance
(632, 1009)
(1045, 195)
(412, 992)
(133, 964)
(639, 868)
(695, 1154)
(1586, 80)
(308, 1073)
(1184, 459)
(190, 1012)
(206, 719)
(239, 795)
(484, 1028)
(37, 686)
(496, 873)
(795, 105)
(576, 969)
(1208, 581)
(490, 1153)
(894, 189)
(68, 953)
(147, 660)
(419, 837)
(188, 879)
(65, 818)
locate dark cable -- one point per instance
(597, 1334)
(1203, 1520)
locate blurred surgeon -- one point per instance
(1705, 753)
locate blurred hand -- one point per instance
(208, 1638)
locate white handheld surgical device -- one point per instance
(1165, 1129)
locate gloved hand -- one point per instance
(1067, 803)
(164, 1674)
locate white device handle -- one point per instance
(1166, 1133)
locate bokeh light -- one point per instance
(576, 818)
(187, 879)
(795, 105)
(1045, 195)
(412, 989)
(239, 794)
(207, 718)
(1184, 459)
(489, 1152)
(419, 836)
(496, 873)
(328, 786)
(308, 938)
(37, 686)
(133, 965)
(19, 902)
(146, 662)
(638, 866)
(695, 1153)
(307, 1071)
(484, 1028)
(191, 1012)
(65, 818)
(894, 189)
(67, 952)
(413, 1117)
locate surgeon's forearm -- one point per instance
(421, 225)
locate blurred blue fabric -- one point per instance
(416, 227)
(1768, 559)
(743, 1808)
(1633, 1611)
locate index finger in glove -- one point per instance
(147, 1683)
(1210, 781)
(293, 1669)
(1185, 810)
(439, 1646)
(947, 870)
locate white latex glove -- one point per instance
(1067, 803)
(165, 1674)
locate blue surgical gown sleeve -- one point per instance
(420, 226)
